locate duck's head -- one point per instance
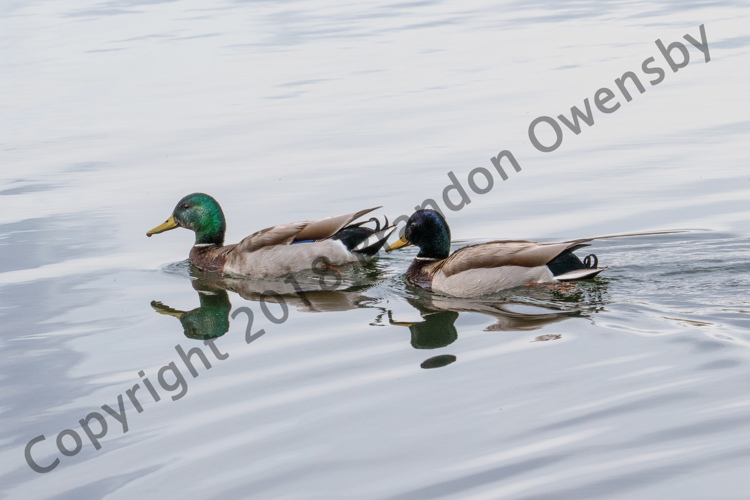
(200, 213)
(428, 230)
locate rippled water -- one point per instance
(631, 385)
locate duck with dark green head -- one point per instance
(276, 250)
(486, 268)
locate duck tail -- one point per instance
(365, 241)
(568, 267)
(374, 242)
(580, 274)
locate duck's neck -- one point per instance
(212, 230)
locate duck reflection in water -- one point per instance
(211, 319)
(437, 328)
(439, 314)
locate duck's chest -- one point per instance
(420, 273)
(208, 258)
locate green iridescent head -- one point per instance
(200, 213)
(428, 230)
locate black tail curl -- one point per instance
(355, 236)
(591, 261)
(371, 219)
(568, 261)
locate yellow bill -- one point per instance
(164, 309)
(402, 242)
(401, 323)
(169, 224)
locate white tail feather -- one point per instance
(580, 274)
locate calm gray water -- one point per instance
(633, 385)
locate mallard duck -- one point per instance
(487, 267)
(276, 250)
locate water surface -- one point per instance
(633, 384)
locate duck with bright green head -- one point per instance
(486, 268)
(276, 250)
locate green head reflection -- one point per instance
(209, 321)
(437, 330)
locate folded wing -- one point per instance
(286, 234)
(507, 253)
